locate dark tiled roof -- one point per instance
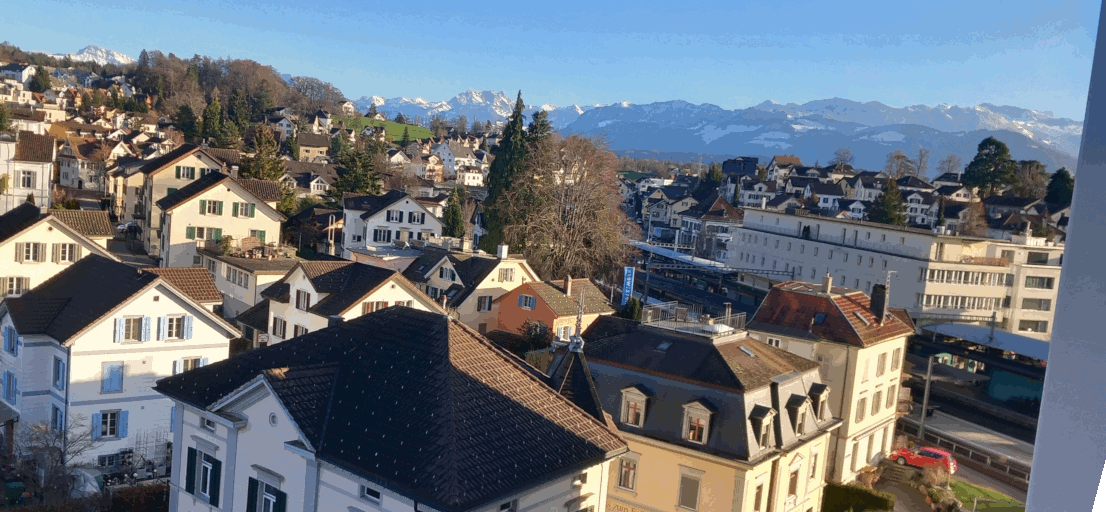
(471, 269)
(169, 158)
(371, 204)
(278, 291)
(792, 308)
(90, 223)
(17, 219)
(1010, 201)
(715, 207)
(913, 182)
(493, 427)
(313, 140)
(826, 189)
(76, 297)
(947, 190)
(256, 265)
(256, 317)
(192, 189)
(782, 200)
(690, 357)
(265, 190)
(572, 379)
(34, 148)
(304, 172)
(553, 294)
(195, 282)
(229, 157)
(345, 281)
(949, 177)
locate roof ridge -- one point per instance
(329, 405)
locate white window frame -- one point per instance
(690, 474)
(696, 412)
(630, 459)
(528, 302)
(633, 396)
(366, 493)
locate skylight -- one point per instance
(819, 318)
(664, 346)
(747, 351)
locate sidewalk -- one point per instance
(978, 435)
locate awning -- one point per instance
(1003, 340)
(943, 372)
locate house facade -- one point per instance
(553, 305)
(36, 246)
(381, 221)
(313, 147)
(26, 168)
(162, 176)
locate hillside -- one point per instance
(393, 130)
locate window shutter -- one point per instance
(162, 327)
(251, 495)
(203, 206)
(219, 208)
(145, 328)
(172, 417)
(253, 209)
(520, 301)
(216, 480)
(186, 328)
(234, 209)
(77, 252)
(96, 419)
(41, 252)
(19, 253)
(26, 283)
(56, 256)
(6, 374)
(177, 366)
(190, 233)
(122, 423)
(61, 376)
(203, 361)
(190, 473)
(281, 502)
(178, 172)
(118, 330)
(261, 236)
(218, 234)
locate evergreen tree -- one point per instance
(213, 118)
(5, 117)
(261, 101)
(372, 111)
(1060, 187)
(186, 121)
(940, 213)
(86, 101)
(228, 136)
(453, 220)
(509, 157)
(403, 142)
(293, 147)
(632, 310)
(889, 208)
(238, 110)
(265, 164)
(40, 82)
(992, 167)
(400, 118)
(711, 181)
(359, 178)
(340, 149)
(539, 128)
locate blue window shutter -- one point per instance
(186, 329)
(145, 328)
(122, 423)
(7, 334)
(117, 377)
(6, 373)
(520, 301)
(203, 361)
(62, 378)
(176, 366)
(162, 327)
(172, 417)
(118, 330)
(96, 419)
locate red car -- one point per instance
(925, 457)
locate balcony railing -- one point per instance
(981, 260)
(689, 319)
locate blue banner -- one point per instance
(627, 284)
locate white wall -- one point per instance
(50, 232)
(179, 251)
(16, 194)
(354, 225)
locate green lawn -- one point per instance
(965, 492)
(393, 130)
(632, 175)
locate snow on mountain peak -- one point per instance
(97, 54)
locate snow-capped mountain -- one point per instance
(474, 105)
(814, 130)
(97, 54)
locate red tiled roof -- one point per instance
(34, 148)
(195, 282)
(787, 160)
(848, 318)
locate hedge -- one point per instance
(855, 498)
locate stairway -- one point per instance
(895, 473)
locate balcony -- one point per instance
(690, 319)
(982, 260)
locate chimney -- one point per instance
(827, 283)
(568, 286)
(727, 310)
(501, 251)
(333, 320)
(763, 203)
(879, 301)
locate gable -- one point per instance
(197, 159)
(50, 230)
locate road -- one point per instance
(120, 250)
(1015, 430)
(971, 476)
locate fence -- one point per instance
(690, 318)
(994, 465)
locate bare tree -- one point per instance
(950, 164)
(1032, 179)
(318, 95)
(842, 156)
(568, 216)
(921, 163)
(899, 165)
(975, 222)
(46, 454)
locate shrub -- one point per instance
(856, 498)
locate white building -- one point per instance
(454, 155)
(18, 72)
(346, 418)
(241, 279)
(108, 333)
(213, 207)
(470, 177)
(934, 276)
(26, 167)
(35, 245)
(380, 221)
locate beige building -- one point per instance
(313, 147)
(468, 283)
(858, 343)
(934, 276)
(714, 419)
(36, 245)
(160, 177)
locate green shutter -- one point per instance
(216, 481)
(261, 236)
(178, 172)
(253, 210)
(190, 233)
(203, 207)
(218, 234)
(219, 208)
(251, 495)
(234, 209)
(281, 504)
(190, 475)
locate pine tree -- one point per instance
(186, 121)
(372, 111)
(509, 156)
(711, 181)
(403, 142)
(1060, 187)
(453, 220)
(261, 101)
(992, 166)
(86, 101)
(40, 82)
(632, 310)
(293, 147)
(213, 118)
(359, 178)
(940, 213)
(5, 117)
(265, 164)
(539, 128)
(228, 136)
(238, 110)
(889, 208)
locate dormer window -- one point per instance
(797, 408)
(761, 419)
(697, 422)
(634, 401)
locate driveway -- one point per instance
(906, 499)
(120, 250)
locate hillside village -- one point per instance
(311, 290)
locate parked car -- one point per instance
(925, 457)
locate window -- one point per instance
(757, 498)
(394, 216)
(864, 376)
(190, 363)
(526, 301)
(174, 327)
(580, 479)
(896, 359)
(793, 484)
(881, 364)
(280, 327)
(258, 234)
(877, 401)
(65, 253)
(33, 251)
(382, 235)
(11, 387)
(800, 424)
(207, 424)
(1039, 282)
(627, 473)
(11, 340)
(1007, 255)
(27, 179)
(890, 397)
(370, 494)
(244, 210)
(1037, 304)
(132, 329)
(59, 373)
(16, 285)
(57, 418)
(303, 300)
(689, 492)
(447, 273)
(696, 428)
(484, 303)
(861, 409)
(510, 506)
(813, 466)
(109, 424)
(269, 497)
(213, 207)
(298, 330)
(696, 422)
(1033, 326)
(111, 379)
(433, 291)
(775, 342)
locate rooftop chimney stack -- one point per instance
(827, 283)
(501, 251)
(763, 203)
(568, 286)
(879, 301)
(728, 310)
(333, 320)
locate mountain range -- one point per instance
(680, 130)
(97, 54)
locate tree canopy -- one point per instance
(1060, 187)
(889, 207)
(509, 157)
(453, 219)
(265, 164)
(992, 167)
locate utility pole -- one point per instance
(925, 401)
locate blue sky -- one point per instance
(1031, 54)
